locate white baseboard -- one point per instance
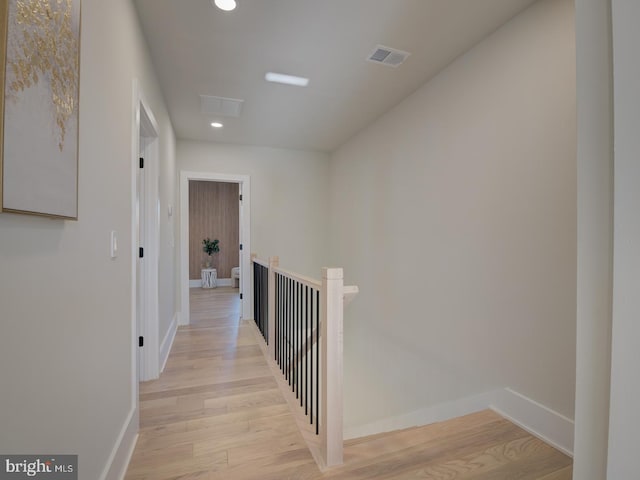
(424, 416)
(122, 451)
(540, 421)
(165, 347)
(220, 282)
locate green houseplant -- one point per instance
(210, 247)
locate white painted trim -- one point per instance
(540, 421)
(424, 416)
(167, 343)
(149, 130)
(134, 236)
(145, 125)
(195, 283)
(245, 232)
(122, 451)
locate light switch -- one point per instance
(114, 244)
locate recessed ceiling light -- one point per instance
(286, 79)
(216, 125)
(226, 5)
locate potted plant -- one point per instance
(210, 247)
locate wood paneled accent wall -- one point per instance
(214, 213)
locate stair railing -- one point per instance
(301, 320)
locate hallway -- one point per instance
(216, 413)
(216, 405)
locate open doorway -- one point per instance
(214, 217)
(206, 189)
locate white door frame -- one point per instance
(145, 138)
(245, 237)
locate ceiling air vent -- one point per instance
(220, 106)
(387, 56)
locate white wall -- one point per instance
(168, 296)
(625, 349)
(595, 238)
(289, 211)
(455, 213)
(66, 344)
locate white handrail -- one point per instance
(349, 293)
(310, 282)
(260, 262)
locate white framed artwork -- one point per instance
(40, 54)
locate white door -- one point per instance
(140, 277)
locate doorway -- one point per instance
(242, 183)
(145, 241)
(214, 217)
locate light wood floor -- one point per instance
(217, 413)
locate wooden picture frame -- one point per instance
(39, 114)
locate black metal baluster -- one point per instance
(306, 350)
(289, 349)
(295, 337)
(302, 344)
(259, 296)
(277, 349)
(266, 305)
(300, 341)
(285, 352)
(311, 355)
(279, 322)
(298, 344)
(260, 299)
(285, 345)
(291, 346)
(275, 325)
(318, 362)
(282, 307)
(257, 299)
(288, 331)
(285, 306)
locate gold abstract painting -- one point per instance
(40, 57)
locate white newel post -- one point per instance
(271, 299)
(331, 339)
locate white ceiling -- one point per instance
(198, 49)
